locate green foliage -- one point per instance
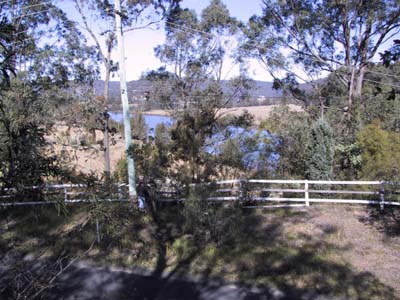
(194, 82)
(139, 127)
(6, 54)
(151, 165)
(321, 36)
(121, 171)
(392, 54)
(40, 79)
(152, 158)
(320, 152)
(290, 130)
(24, 159)
(381, 96)
(348, 161)
(211, 222)
(188, 137)
(380, 152)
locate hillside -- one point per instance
(262, 92)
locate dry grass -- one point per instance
(90, 159)
(329, 252)
(259, 112)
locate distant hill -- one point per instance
(262, 92)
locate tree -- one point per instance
(136, 15)
(289, 133)
(193, 83)
(392, 54)
(380, 152)
(39, 78)
(6, 67)
(320, 152)
(340, 37)
(382, 96)
(194, 54)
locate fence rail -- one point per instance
(252, 193)
(60, 193)
(256, 192)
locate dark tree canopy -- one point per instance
(340, 37)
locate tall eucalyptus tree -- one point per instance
(339, 36)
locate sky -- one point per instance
(139, 44)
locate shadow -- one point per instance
(269, 254)
(90, 283)
(302, 266)
(386, 221)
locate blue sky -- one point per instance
(139, 44)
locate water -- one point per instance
(256, 154)
(255, 145)
(152, 121)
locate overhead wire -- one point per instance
(384, 83)
(209, 35)
(187, 29)
(384, 74)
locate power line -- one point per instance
(384, 83)
(191, 29)
(384, 74)
(27, 6)
(180, 27)
(46, 10)
(34, 5)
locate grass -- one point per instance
(325, 251)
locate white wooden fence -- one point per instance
(60, 193)
(253, 193)
(256, 193)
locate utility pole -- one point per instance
(124, 99)
(106, 117)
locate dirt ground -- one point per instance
(320, 252)
(88, 159)
(359, 241)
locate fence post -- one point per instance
(306, 193)
(65, 194)
(119, 192)
(241, 194)
(97, 231)
(382, 195)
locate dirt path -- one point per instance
(86, 282)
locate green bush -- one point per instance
(320, 152)
(209, 221)
(380, 153)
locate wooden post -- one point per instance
(306, 193)
(120, 196)
(382, 195)
(65, 194)
(242, 188)
(97, 231)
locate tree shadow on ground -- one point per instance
(261, 260)
(302, 266)
(386, 221)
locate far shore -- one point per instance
(259, 112)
